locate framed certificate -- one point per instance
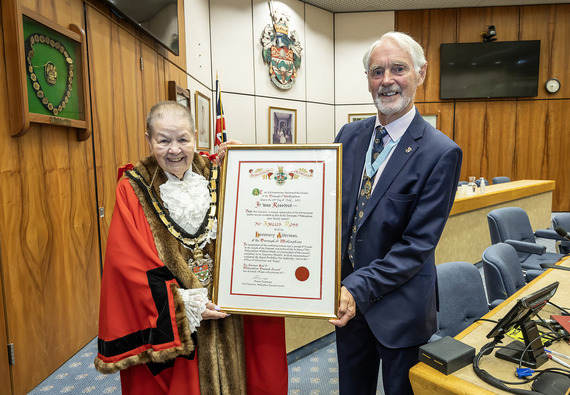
(278, 247)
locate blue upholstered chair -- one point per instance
(500, 180)
(462, 183)
(462, 298)
(502, 271)
(560, 220)
(478, 182)
(511, 225)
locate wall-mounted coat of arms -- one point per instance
(281, 50)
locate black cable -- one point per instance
(560, 308)
(489, 379)
(485, 319)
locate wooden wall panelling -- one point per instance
(117, 110)
(430, 28)
(558, 146)
(414, 23)
(531, 147)
(549, 25)
(485, 131)
(5, 380)
(9, 196)
(153, 91)
(50, 270)
(543, 144)
(473, 21)
(499, 150)
(469, 135)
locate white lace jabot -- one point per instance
(187, 201)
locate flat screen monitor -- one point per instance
(489, 69)
(158, 18)
(521, 316)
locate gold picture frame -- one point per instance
(282, 125)
(360, 116)
(203, 116)
(278, 241)
(47, 66)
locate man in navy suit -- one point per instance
(399, 180)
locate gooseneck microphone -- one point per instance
(562, 232)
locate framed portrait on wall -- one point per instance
(282, 125)
(432, 119)
(203, 115)
(179, 94)
(358, 117)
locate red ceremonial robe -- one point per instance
(140, 330)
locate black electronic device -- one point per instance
(158, 18)
(562, 232)
(489, 69)
(552, 383)
(521, 316)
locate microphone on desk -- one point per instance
(562, 232)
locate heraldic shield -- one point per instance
(281, 51)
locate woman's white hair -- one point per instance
(168, 109)
(407, 43)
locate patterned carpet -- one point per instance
(313, 369)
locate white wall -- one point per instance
(223, 39)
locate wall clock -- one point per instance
(552, 85)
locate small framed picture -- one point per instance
(203, 116)
(179, 94)
(282, 125)
(358, 117)
(432, 119)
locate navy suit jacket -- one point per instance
(394, 277)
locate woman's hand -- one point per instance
(213, 312)
(222, 150)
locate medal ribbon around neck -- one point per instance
(190, 241)
(372, 167)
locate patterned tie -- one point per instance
(365, 190)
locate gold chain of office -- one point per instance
(50, 71)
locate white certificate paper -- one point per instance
(279, 231)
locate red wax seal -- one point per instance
(302, 273)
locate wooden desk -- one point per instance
(428, 381)
(466, 234)
(465, 237)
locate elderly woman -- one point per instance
(157, 324)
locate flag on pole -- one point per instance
(220, 120)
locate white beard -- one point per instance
(393, 107)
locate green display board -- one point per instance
(52, 62)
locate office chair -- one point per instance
(511, 225)
(462, 298)
(560, 220)
(503, 272)
(478, 182)
(462, 183)
(500, 180)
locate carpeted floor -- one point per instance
(313, 369)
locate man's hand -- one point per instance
(222, 150)
(346, 308)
